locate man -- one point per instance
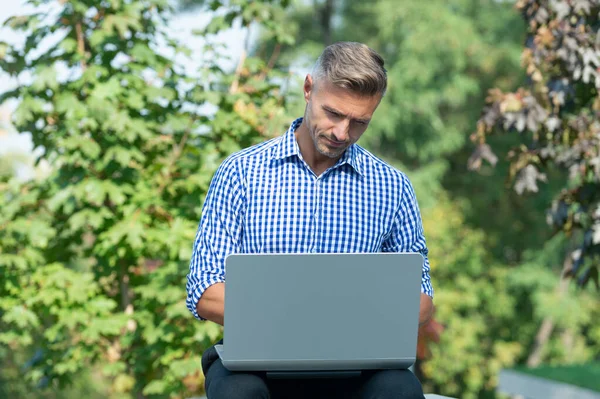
(311, 190)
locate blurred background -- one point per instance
(114, 115)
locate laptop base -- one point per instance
(280, 375)
(311, 374)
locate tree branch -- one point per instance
(175, 156)
(80, 44)
(238, 71)
(271, 63)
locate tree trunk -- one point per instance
(545, 331)
(568, 340)
(541, 338)
(124, 288)
(326, 21)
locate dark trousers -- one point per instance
(221, 383)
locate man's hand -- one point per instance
(211, 305)
(425, 309)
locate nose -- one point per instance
(341, 130)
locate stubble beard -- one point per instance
(320, 140)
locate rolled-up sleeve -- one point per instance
(407, 232)
(219, 232)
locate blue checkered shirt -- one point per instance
(266, 199)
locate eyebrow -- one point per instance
(335, 111)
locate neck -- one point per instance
(317, 162)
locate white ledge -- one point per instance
(532, 387)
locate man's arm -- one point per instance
(211, 305)
(425, 309)
(218, 235)
(407, 236)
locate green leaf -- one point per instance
(116, 4)
(141, 53)
(123, 156)
(21, 317)
(69, 45)
(119, 123)
(113, 369)
(87, 146)
(177, 124)
(101, 305)
(46, 78)
(59, 199)
(178, 309)
(66, 367)
(13, 337)
(139, 129)
(90, 191)
(17, 22)
(116, 194)
(15, 261)
(156, 94)
(4, 47)
(68, 104)
(97, 37)
(104, 326)
(28, 110)
(121, 24)
(185, 367)
(155, 387)
(40, 234)
(110, 89)
(135, 101)
(123, 383)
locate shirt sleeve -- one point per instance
(407, 232)
(219, 233)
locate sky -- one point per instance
(181, 28)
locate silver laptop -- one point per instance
(321, 313)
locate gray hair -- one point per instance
(352, 66)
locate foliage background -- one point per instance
(94, 251)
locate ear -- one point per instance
(308, 87)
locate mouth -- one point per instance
(332, 143)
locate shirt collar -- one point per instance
(288, 147)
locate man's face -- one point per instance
(336, 118)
